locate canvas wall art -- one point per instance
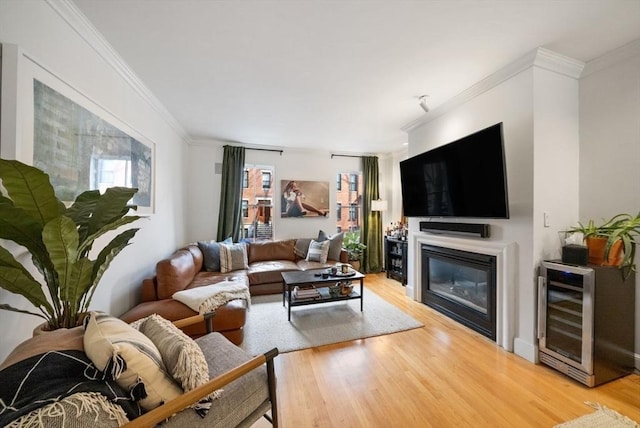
(80, 150)
(304, 199)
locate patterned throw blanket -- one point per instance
(50, 377)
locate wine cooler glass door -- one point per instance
(566, 311)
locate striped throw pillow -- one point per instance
(130, 358)
(318, 251)
(233, 257)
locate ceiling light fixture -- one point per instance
(423, 103)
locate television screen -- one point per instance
(465, 178)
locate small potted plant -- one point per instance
(613, 242)
(354, 248)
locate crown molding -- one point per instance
(79, 23)
(610, 58)
(558, 63)
(540, 57)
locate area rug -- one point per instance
(603, 417)
(322, 324)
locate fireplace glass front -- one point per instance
(461, 285)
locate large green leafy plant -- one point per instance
(59, 240)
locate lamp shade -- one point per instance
(378, 205)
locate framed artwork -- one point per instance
(74, 140)
(304, 199)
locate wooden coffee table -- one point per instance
(315, 278)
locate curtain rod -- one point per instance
(344, 156)
(266, 150)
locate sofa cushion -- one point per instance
(335, 244)
(233, 257)
(318, 251)
(175, 273)
(305, 265)
(211, 253)
(239, 399)
(269, 271)
(228, 318)
(130, 358)
(302, 247)
(182, 357)
(271, 250)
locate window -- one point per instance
(353, 182)
(353, 212)
(257, 202)
(348, 201)
(266, 179)
(245, 208)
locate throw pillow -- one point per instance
(211, 254)
(181, 355)
(130, 358)
(233, 257)
(318, 251)
(335, 246)
(302, 247)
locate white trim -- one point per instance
(70, 13)
(607, 60)
(505, 277)
(540, 57)
(525, 350)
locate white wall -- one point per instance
(42, 32)
(390, 189)
(610, 142)
(512, 104)
(293, 164)
(538, 109)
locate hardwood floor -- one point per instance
(440, 375)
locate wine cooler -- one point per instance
(586, 321)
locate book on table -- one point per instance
(306, 293)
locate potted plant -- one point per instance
(59, 241)
(354, 247)
(613, 242)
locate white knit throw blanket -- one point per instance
(208, 298)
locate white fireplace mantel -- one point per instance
(505, 254)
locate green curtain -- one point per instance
(371, 234)
(230, 215)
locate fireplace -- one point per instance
(461, 285)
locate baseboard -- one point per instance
(636, 359)
(525, 350)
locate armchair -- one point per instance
(39, 388)
(242, 403)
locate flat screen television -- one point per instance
(465, 178)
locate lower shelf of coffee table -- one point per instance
(325, 297)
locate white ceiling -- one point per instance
(339, 75)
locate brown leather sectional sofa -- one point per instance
(184, 270)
